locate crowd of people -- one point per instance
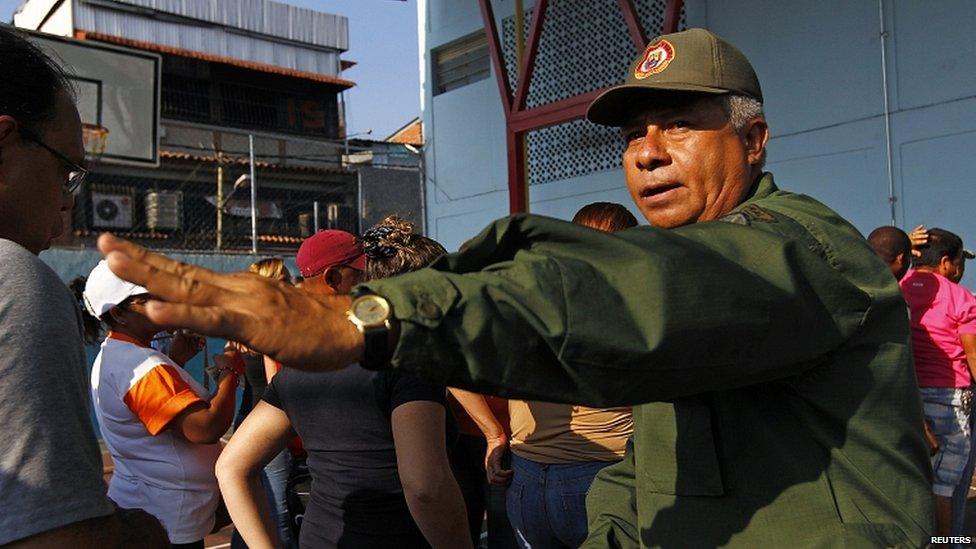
(738, 372)
(943, 330)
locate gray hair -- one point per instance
(741, 109)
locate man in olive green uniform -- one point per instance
(765, 343)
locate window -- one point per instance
(461, 63)
(186, 98)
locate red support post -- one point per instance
(634, 26)
(528, 63)
(497, 61)
(518, 188)
(519, 121)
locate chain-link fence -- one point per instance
(203, 199)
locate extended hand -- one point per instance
(294, 327)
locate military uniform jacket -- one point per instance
(768, 353)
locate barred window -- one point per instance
(461, 62)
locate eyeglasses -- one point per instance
(76, 175)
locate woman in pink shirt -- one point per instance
(943, 316)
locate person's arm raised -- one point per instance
(262, 312)
(205, 423)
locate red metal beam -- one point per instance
(519, 121)
(672, 16)
(495, 50)
(528, 63)
(553, 113)
(634, 26)
(518, 187)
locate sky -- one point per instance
(383, 43)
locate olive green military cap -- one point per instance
(694, 61)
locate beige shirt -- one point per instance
(563, 433)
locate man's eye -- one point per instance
(632, 135)
(681, 124)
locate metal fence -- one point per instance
(201, 200)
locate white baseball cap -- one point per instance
(105, 290)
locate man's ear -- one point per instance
(946, 266)
(333, 277)
(8, 128)
(899, 260)
(755, 135)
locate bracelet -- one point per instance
(219, 369)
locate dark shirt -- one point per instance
(343, 419)
(255, 382)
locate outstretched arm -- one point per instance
(265, 314)
(543, 309)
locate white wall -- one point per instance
(821, 71)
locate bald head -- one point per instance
(893, 247)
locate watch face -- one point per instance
(371, 310)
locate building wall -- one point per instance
(820, 64)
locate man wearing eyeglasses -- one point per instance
(40, 166)
(51, 489)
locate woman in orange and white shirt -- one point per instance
(160, 425)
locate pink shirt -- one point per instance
(941, 311)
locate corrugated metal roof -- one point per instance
(261, 16)
(258, 31)
(100, 37)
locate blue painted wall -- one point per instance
(821, 71)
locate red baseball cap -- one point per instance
(329, 248)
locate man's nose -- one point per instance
(653, 150)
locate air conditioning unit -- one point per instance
(164, 210)
(112, 211)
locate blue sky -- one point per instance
(383, 43)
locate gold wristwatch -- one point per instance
(372, 314)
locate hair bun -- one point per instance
(386, 237)
(400, 230)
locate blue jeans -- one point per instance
(547, 502)
(950, 422)
(275, 480)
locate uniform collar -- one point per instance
(127, 338)
(761, 188)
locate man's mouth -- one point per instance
(658, 191)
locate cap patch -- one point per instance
(656, 58)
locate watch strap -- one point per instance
(376, 352)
